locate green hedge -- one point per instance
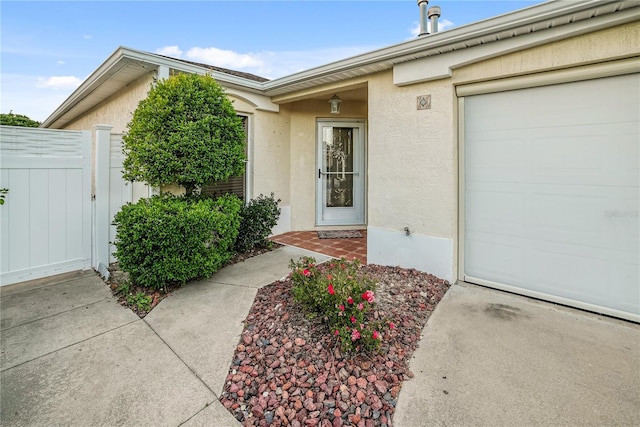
(167, 239)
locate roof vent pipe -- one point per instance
(434, 14)
(423, 17)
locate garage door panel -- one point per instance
(566, 270)
(484, 250)
(555, 159)
(552, 188)
(502, 208)
(587, 105)
(566, 217)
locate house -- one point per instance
(503, 153)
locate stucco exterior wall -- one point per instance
(412, 175)
(411, 157)
(271, 161)
(118, 109)
(303, 116)
(604, 45)
(268, 148)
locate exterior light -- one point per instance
(335, 102)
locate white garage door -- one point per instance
(552, 193)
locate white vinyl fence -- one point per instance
(120, 191)
(64, 189)
(46, 219)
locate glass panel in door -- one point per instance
(338, 153)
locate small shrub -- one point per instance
(140, 300)
(123, 289)
(258, 217)
(342, 297)
(167, 239)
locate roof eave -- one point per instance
(442, 42)
(124, 55)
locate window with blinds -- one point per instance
(234, 185)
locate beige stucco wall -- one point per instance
(604, 45)
(411, 157)
(271, 161)
(303, 116)
(118, 109)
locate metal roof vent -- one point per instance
(434, 14)
(423, 17)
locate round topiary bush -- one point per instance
(185, 131)
(167, 239)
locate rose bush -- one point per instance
(342, 297)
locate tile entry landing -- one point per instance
(352, 248)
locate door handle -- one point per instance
(319, 173)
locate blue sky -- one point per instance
(48, 48)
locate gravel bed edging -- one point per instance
(288, 370)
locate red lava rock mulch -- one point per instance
(288, 370)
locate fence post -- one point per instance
(101, 175)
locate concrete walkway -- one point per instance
(71, 355)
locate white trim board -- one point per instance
(425, 253)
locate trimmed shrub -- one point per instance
(185, 131)
(168, 239)
(258, 217)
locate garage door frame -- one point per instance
(594, 71)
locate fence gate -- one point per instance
(45, 223)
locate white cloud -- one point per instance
(87, 37)
(444, 23)
(270, 64)
(61, 62)
(172, 51)
(59, 82)
(24, 95)
(224, 58)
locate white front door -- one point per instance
(340, 176)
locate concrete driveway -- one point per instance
(489, 358)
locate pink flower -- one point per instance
(350, 300)
(369, 296)
(353, 319)
(376, 335)
(306, 272)
(329, 277)
(331, 290)
(392, 325)
(361, 306)
(341, 307)
(355, 335)
(336, 333)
